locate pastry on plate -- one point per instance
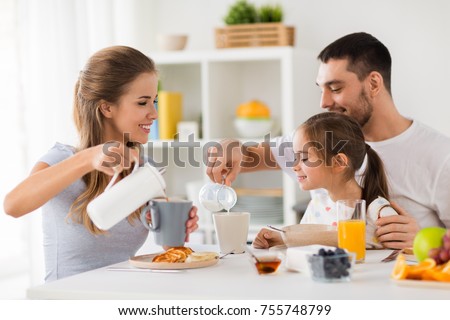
(202, 256)
(174, 255)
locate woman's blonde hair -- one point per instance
(105, 77)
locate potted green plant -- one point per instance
(240, 13)
(269, 13)
(248, 26)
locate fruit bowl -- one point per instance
(253, 128)
(171, 42)
(331, 265)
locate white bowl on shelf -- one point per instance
(171, 42)
(253, 128)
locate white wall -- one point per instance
(415, 31)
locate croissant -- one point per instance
(174, 255)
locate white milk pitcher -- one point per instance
(119, 201)
(216, 197)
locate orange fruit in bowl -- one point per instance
(253, 109)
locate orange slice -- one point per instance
(433, 274)
(428, 275)
(417, 271)
(446, 268)
(400, 270)
(440, 276)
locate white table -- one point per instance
(234, 277)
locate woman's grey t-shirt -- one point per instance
(69, 248)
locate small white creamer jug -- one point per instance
(216, 197)
(119, 201)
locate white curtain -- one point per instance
(49, 42)
(58, 37)
(13, 243)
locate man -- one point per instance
(355, 79)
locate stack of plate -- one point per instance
(263, 209)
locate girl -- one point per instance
(330, 149)
(114, 107)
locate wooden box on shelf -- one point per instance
(255, 35)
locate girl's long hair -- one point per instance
(334, 133)
(105, 77)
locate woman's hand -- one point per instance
(113, 157)
(191, 224)
(148, 216)
(45, 181)
(267, 238)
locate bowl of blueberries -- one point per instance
(329, 265)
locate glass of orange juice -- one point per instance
(351, 217)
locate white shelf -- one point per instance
(213, 83)
(226, 55)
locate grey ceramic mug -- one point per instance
(168, 221)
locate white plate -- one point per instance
(422, 283)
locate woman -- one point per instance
(114, 107)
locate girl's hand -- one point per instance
(191, 224)
(267, 238)
(113, 157)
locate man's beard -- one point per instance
(363, 113)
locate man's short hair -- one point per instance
(364, 53)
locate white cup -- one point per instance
(232, 230)
(120, 200)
